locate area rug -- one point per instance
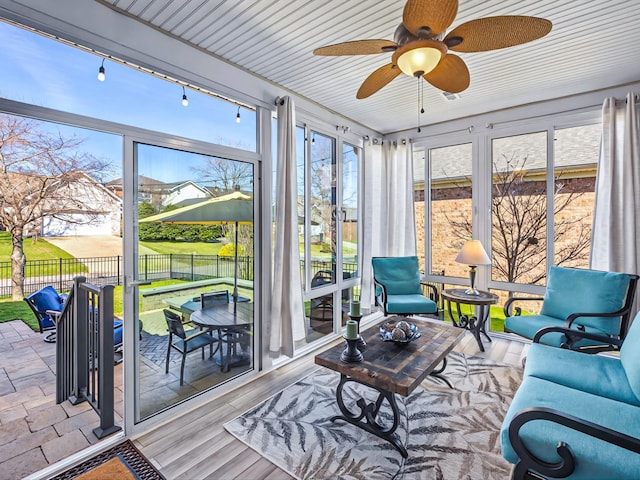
(448, 433)
(115, 463)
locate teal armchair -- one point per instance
(579, 300)
(575, 415)
(398, 287)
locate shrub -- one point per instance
(229, 250)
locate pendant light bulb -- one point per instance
(238, 116)
(185, 101)
(101, 74)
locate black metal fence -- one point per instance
(153, 267)
(108, 270)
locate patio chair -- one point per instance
(398, 287)
(591, 301)
(321, 308)
(46, 304)
(214, 299)
(186, 341)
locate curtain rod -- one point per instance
(635, 96)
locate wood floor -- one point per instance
(196, 445)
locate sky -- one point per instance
(47, 73)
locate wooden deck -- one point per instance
(196, 445)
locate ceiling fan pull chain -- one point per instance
(418, 103)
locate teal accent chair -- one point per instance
(398, 287)
(576, 415)
(579, 300)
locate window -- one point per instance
(519, 208)
(530, 203)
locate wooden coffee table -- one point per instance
(390, 368)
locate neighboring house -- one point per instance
(182, 193)
(99, 212)
(150, 190)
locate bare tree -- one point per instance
(519, 225)
(225, 175)
(42, 175)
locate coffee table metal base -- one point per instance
(366, 418)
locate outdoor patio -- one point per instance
(34, 431)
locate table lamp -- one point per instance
(473, 254)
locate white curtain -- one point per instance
(388, 218)
(287, 312)
(615, 241)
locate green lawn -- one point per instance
(35, 250)
(496, 316)
(17, 311)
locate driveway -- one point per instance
(89, 245)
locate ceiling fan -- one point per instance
(422, 44)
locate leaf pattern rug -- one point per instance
(449, 434)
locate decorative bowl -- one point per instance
(399, 331)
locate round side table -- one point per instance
(475, 324)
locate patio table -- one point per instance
(226, 320)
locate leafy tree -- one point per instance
(519, 225)
(42, 175)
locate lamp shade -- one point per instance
(472, 253)
(419, 57)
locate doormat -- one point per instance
(117, 467)
(104, 468)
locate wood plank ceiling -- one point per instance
(593, 44)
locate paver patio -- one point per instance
(34, 431)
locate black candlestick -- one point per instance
(362, 345)
(351, 354)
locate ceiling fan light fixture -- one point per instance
(419, 57)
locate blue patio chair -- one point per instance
(398, 287)
(591, 301)
(46, 303)
(186, 341)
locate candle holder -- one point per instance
(362, 345)
(351, 354)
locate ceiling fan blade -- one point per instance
(357, 47)
(377, 80)
(451, 74)
(429, 17)
(493, 33)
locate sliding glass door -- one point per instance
(194, 274)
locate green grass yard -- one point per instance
(35, 250)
